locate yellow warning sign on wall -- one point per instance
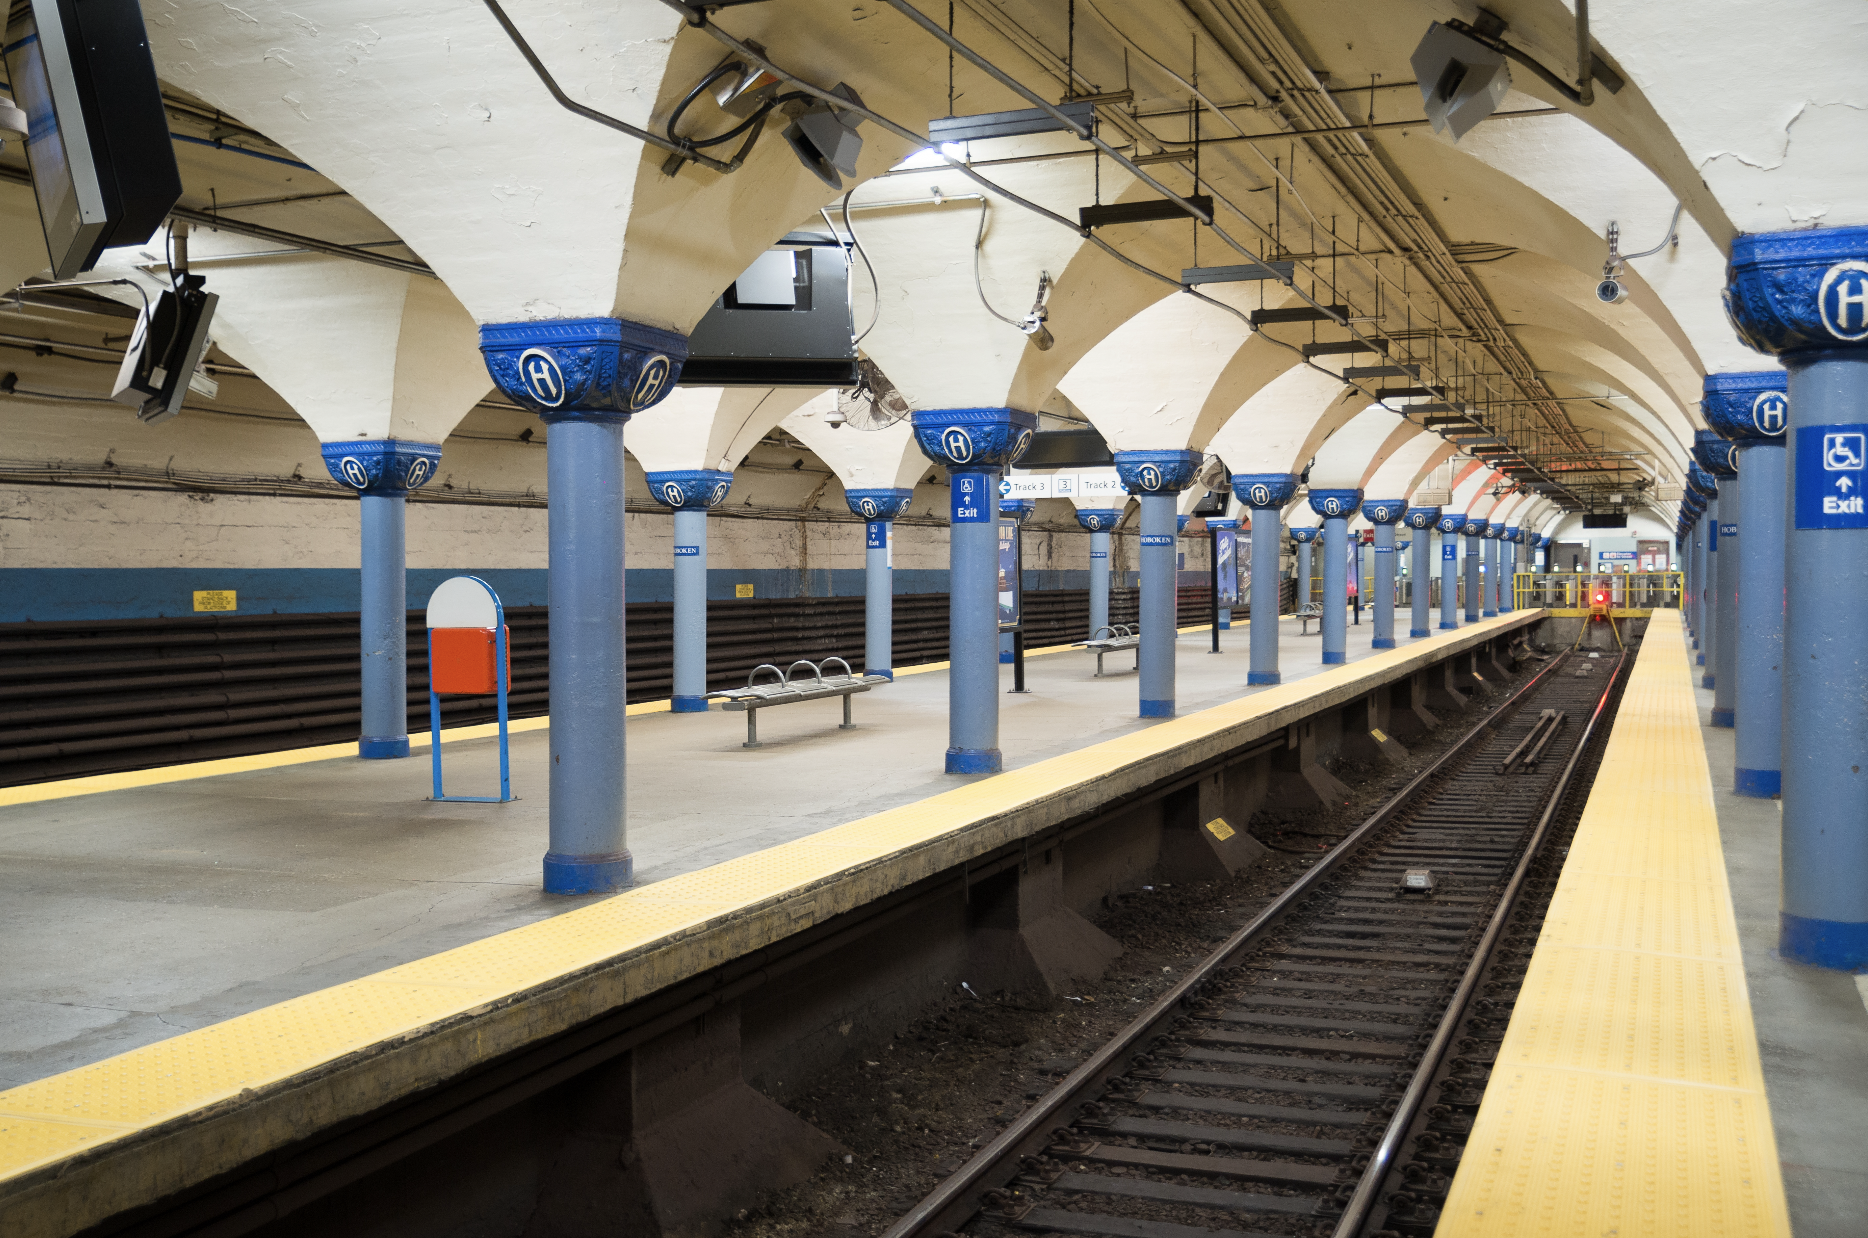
(1218, 828)
(742, 591)
(215, 599)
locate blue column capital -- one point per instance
(1472, 526)
(1019, 510)
(1305, 536)
(1421, 517)
(690, 489)
(1335, 504)
(1158, 472)
(1222, 522)
(1098, 519)
(1262, 490)
(1714, 454)
(1543, 543)
(1753, 405)
(582, 369)
(1701, 484)
(1450, 523)
(886, 504)
(1792, 292)
(974, 440)
(1383, 511)
(1493, 530)
(382, 466)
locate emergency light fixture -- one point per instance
(946, 129)
(1462, 81)
(97, 142)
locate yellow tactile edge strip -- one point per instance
(291, 1069)
(92, 784)
(1628, 1098)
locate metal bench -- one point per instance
(756, 696)
(1121, 636)
(1307, 612)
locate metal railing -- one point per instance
(1581, 590)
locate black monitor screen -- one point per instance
(59, 204)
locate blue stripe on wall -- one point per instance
(52, 594)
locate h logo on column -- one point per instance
(690, 489)
(1157, 472)
(1097, 519)
(1421, 517)
(1264, 491)
(1450, 523)
(382, 466)
(878, 504)
(593, 369)
(1384, 511)
(1748, 407)
(1714, 454)
(967, 440)
(1305, 536)
(1333, 504)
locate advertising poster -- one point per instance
(1009, 582)
(1226, 559)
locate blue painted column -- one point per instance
(1384, 514)
(1719, 458)
(1421, 521)
(1543, 545)
(689, 493)
(1098, 520)
(1803, 297)
(1156, 477)
(584, 377)
(878, 508)
(1488, 572)
(1336, 507)
(1508, 542)
(1449, 526)
(1752, 410)
(1474, 531)
(383, 471)
(1265, 495)
(976, 445)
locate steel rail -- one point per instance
(1356, 1210)
(950, 1204)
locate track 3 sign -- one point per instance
(1831, 469)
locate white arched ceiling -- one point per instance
(885, 459)
(1280, 428)
(708, 427)
(1349, 455)
(360, 352)
(1399, 475)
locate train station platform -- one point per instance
(1629, 1095)
(324, 942)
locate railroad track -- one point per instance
(1273, 1090)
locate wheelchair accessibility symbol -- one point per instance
(1843, 453)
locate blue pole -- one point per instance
(1725, 628)
(878, 509)
(878, 600)
(1709, 600)
(585, 377)
(690, 617)
(589, 849)
(1803, 297)
(385, 627)
(975, 445)
(1825, 727)
(383, 471)
(1158, 617)
(1306, 590)
(1488, 575)
(1752, 410)
(1336, 507)
(1449, 527)
(1474, 548)
(1420, 519)
(1156, 477)
(1099, 580)
(1265, 495)
(1384, 636)
(1507, 569)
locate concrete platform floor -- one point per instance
(132, 915)
(1812, 1024)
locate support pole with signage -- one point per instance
(1474, 531)
(469, 653)
(1384, 514)
(1306, 564)
(1752, 410)
(976, 445)
(1449, 526)
(1488, 570)
(689, 493)
(1718, 457)
(879, 509)
(1156, 477)
(1803, 297)
(1098, 520)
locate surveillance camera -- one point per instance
(834, 418)
(1611, 292)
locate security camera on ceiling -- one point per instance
(825, 140)
(1611, 292)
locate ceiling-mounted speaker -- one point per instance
(825, 140)
(1462, 81)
